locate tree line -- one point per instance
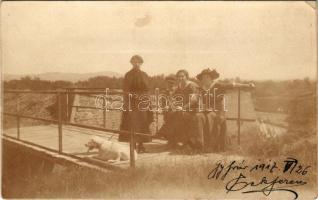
(268, 96)
(267, 88)
(29, 83)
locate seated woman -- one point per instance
(209, 125)
(208, 132)
(167, 130)
(183, 102)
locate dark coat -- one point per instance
(136, 82)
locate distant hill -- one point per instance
(55, 76)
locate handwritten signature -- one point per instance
(265, 185)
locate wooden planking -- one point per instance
(75, 138)
(53, 156)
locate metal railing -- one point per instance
(71, 91)
(60, 122)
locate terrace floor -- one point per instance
(75, 138)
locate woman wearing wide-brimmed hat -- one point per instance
(209, 126)
(136, 83)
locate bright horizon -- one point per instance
(250, 40)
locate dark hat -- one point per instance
(213, 73)
(136, 59)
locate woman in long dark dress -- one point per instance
(184, 105)
(135, 84)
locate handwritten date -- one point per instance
(265, 185)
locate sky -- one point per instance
(250, 40)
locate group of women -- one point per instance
(198, 124)
(195, 124)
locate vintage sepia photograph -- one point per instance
(159, 100)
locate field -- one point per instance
(36, 105)
(171, 180)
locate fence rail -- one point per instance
(60, 121)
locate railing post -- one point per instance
(18, 118)
(104, 109)
(239, 117)
(18, 128)
(59, 110)
(67, 106)
(132, 140)
(157, 109)
(132, 148)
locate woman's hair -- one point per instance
(136, 58)
(185, 72)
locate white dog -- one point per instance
(108, 150)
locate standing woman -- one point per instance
(135, 84)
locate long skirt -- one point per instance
(176, 127)
(208, 132)
(137, 120)
(167, 130)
